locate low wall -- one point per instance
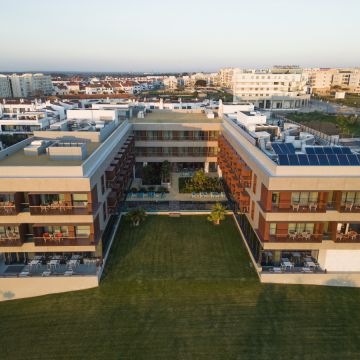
(328, 279)
(18, 288)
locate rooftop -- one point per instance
(168, 116)
(18, 158)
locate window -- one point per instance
(104, 211)
(57, 229)
(272, 230)
(103, 184)
(82, 230)
(351, 197)
(252, 210)
(301, 227)
(254, 183)
(79, 199)
(304, 198)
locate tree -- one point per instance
(136, 216)
(165, 171)
(201, 83)
(217, 214)
(150, 176)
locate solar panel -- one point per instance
(343, 160)
(313, 160)
(319, 150)
(333, 160)
(337, 150)
(283, 159)
(276, 148)
(303, 159)
(346, 150)
(293, 159)
(290, 148)
(323, 160)
(309, 150)
(328, 150)
(353, 159)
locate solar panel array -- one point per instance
(283, 148)
(328, 150)
(316, 155)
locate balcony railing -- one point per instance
(64, 241)
(8, 210)
(61, 209)
(350, 237)
(298, 207)
(350, 207)
(297, 238)
(6, 240)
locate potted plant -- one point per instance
(217, 214)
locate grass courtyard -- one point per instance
(182, 288)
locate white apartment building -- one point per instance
(28, 85)
(5, 88)
(25, 117)
(347, 79)
(277, 88)
(320, 80)
(225, 77)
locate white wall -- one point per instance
(340, 260)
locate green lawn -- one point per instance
(328, 124)
(182, 288)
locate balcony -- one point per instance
(64, 240)
(312, 207)
(288, 238)
(6, 241)
(8, 209)
(350, 237)
(62, 209)
(350, 207)
(293, 238)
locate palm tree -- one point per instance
(136, 216)
(217, 213)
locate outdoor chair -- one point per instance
(59, 236)
(46, 237)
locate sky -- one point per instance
(186, 35)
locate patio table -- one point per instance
(54, 263)
(34, 263)
(286, 263)
(76, 257)
(73, 263)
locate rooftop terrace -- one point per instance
(18, 158)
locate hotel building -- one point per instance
(59, 188)
(293, 197)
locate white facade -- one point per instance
(27, 85)
(5, 88)
(272, 89)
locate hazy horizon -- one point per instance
(164, 36)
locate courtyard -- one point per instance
(183, 288)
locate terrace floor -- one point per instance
(174, 194)
(182, 288)
(15, 270)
